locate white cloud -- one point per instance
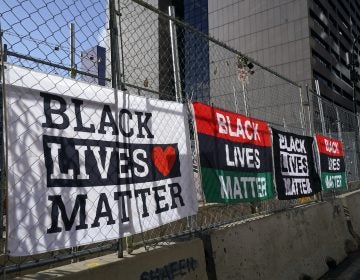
(104, 37)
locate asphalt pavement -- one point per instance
(349, 269)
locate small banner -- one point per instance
(88, 164)
(235, 156)
(295, 170)
(332, 162)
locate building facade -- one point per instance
(146, 52)
(303, 40)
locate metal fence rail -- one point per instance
(138, 47)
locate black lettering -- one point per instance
(170, 270)
(165, 273)
(191, 264)
(143, 124)
(79, 123)
(48, 111)
(107, 213)
(128, 164)
(143, 193)
(122, 194)
(123, 122)
(57, 204)
(173, 269)
(175, 194)
(144, 276)
(111, 123)
(154, 275)
(159, 198)
(182, 265)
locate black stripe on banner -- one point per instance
(332, 164)
(227, 155)
(126, 163)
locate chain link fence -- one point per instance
(334, 121)
(134, 46)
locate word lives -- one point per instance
(334, 164)
(242, 157)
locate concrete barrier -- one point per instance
(283, 245)
(351, 204)
(353, 185)
(184, 260)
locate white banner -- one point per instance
(85, 165)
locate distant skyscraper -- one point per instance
(146, 48)
(93, 61)
(196, 51)
(193, 51)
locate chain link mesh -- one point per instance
(37, 36)
(337, 123)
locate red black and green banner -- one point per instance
(295, 168)
(235, 156)
(332, 162)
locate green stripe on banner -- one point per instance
(233, 187)
(333, 180)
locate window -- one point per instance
(319, 40)
(320, 7)
(320, 59)
(335, 55)
(333, 21)
(332, 5)
(337, 89)
(336, 72)
(346, 80)
(318, 22)
(321, 79)
(341, 3)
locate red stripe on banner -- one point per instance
(230, 126)
(329, 146)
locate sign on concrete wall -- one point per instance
(86, 164)
(295, 170)
(332, 162)
(235, 156)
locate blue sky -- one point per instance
(36, 27)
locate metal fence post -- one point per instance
(322, 119)
(302, 113)
(121, 74)
(175, 55)
(3, 161)
(115, 79)
(338, 122)
(309, 104)
(72, 50)
(357, 137)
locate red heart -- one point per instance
(164, 160)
